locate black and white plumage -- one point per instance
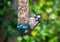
(32, 23)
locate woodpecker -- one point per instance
(32, 23)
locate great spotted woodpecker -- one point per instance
(32, 23)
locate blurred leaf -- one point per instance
(26, 37)
(19, 39)
(55, 39)
(34, 32)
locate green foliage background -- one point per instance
(49, 28)
(50, 23)
(8, 18)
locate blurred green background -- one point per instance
(47, 31)
(49, 27)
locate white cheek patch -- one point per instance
(38, 16)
